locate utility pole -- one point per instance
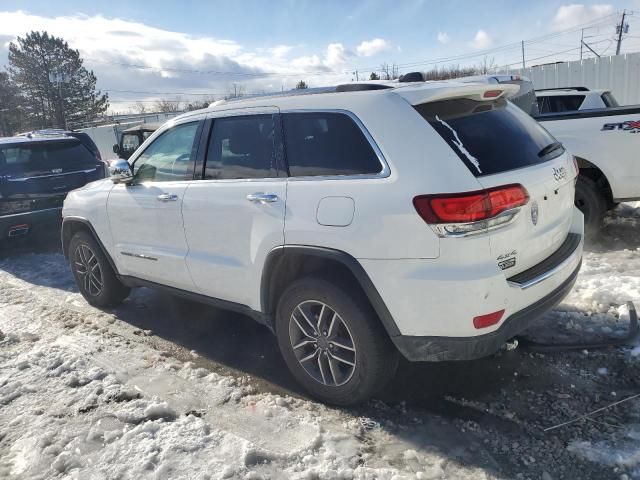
(357, 77)
(581, 43)
(523, 65)
(622, 28)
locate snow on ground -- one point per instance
(84, 394)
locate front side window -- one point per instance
(241, 148)
(327, 143)
(169, 157)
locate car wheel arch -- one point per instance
(72, 225)
(287, 263)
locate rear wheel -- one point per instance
(94, 276)
(333, 343)
(591, 202)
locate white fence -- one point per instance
(618, 73)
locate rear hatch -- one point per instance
(501, 145)
(37, 175)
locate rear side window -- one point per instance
(240, 148)
(327, 143)
(490, 137)
(45, 156)
(609, 100)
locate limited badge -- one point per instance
(534, 212)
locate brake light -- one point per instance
(492, 94)
(470, 206)
(484, 321)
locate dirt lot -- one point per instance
(164, 388)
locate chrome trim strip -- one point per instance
(31, 212)
(549, 273)
(24, 179)
(139, 255)
(384, 173)
(440, 229)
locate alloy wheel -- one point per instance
(322, 343)
(88, 270)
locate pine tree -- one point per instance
(55, 88)
(301, 85)
(10, 111)
(374, 76)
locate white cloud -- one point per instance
(368, 48)
(569, 16)
(107, 43)
(335, 57)
(443, 38)
(482, 40)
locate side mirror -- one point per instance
(116, 148)
(120, 171)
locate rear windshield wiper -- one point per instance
(552, 147)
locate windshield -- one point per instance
(490, 136)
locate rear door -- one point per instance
(37, 175)
(502, 145)
(145, 216)
(234, 216)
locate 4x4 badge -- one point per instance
(534, 212)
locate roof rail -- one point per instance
(361, 87)
(577, 89)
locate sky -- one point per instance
(190, 50)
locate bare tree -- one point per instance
(140, 107)
(198, 104)
(487, 66)
(234, 91)
(167, 105)
(389, 72)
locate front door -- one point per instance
(234, 216)
(145, 216)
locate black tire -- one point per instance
(105, 291)
(591, 202)
(376, 359)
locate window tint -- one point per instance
(169, 157)
(609, 100)
(241, 147)
(325, 143)
(489, 137)
(69, 155)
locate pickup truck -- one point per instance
(604, 142)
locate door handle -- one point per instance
(167, 197)
(260, 197)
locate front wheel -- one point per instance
(333, 343)
(94, 276)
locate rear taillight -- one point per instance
(458, 214)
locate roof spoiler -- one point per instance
(418, 94)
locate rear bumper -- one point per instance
(435, 349)
(34, 221)
(433, 301)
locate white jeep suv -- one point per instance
(431, 220)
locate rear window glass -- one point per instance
(609, 100)
(560, 103)
(45, 156)
(489, 137)
(327, 143)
